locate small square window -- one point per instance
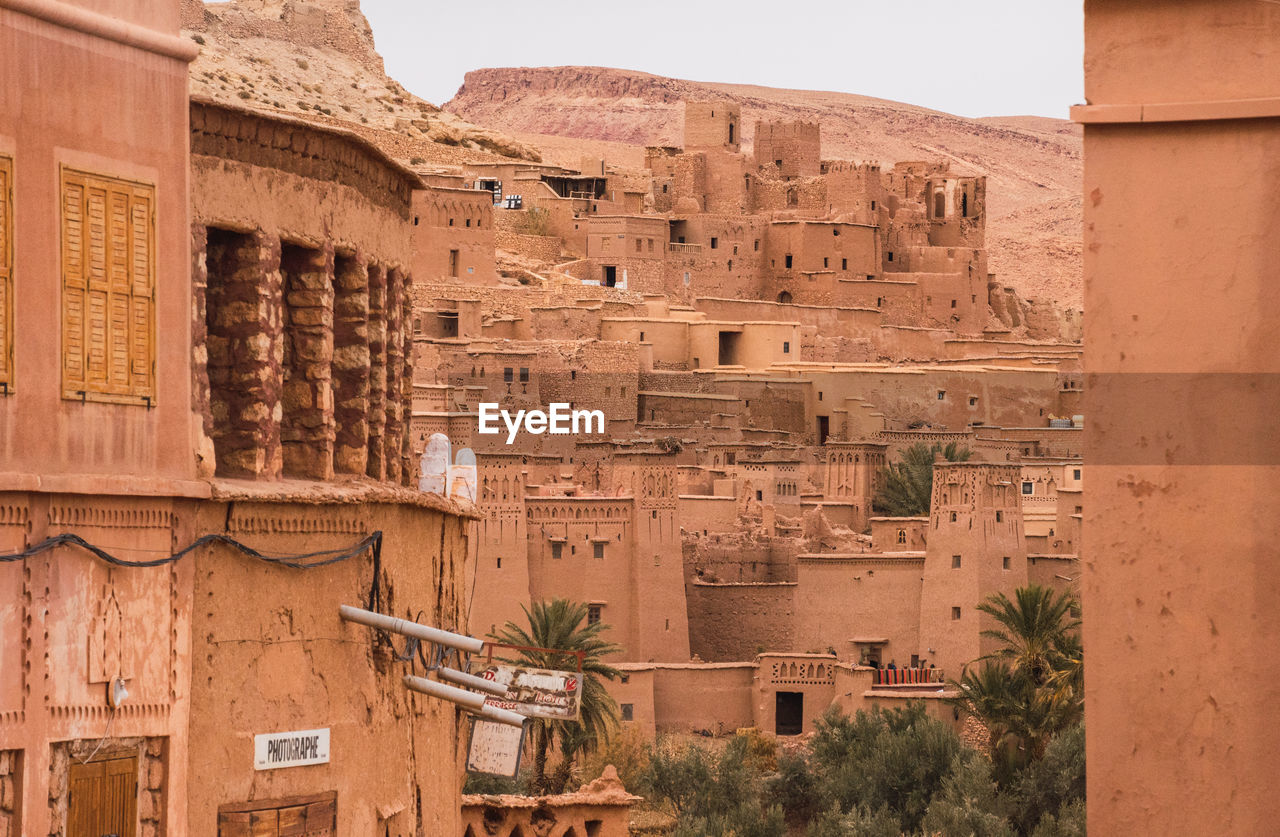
(788, 260)
(825, 261)
(1028, 488)
(890, 255)
(942, 395)
(499, 563)
(955, 613)
(1007, 562)
(819, 396)
(955, 562)
(759, 495)
(844, 264)
(973, 401)
(628, 711)
(755, 245)
(597, 549)
(715, 242)
(524, 374)
(593, 614)
(953, 303)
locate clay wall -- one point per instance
(873, 598)
(453, 235)
(787, 149)
(578, 814)
(716, 125)
(75, 624)
(736, 620)
(899, 534)
(813, 676)
(711, 697)
(304, 679)
(63, 107)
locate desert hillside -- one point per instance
(1033, 164)
(316, 59)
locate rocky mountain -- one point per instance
(1033, 164)
(316, 59)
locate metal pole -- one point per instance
(501, 716)
(403, 626)
(471, 681)
(470, 701)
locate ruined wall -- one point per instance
(734, 621)
(787, 149)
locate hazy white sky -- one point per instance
(968, 57)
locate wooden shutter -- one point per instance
(312, 816)
(108, 258)
(103, 798)
(6, 271)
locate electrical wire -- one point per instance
(301, 561)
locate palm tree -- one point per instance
(1032, 687)
(561, 626)
(1036, 628)
(907, 485)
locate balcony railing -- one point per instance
(673, 247)
(908, 676)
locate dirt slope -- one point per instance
(1033, 164)
(316, 59)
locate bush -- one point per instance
(895, 760)
(628, 752)
(302, 64)
(969, 802)
(1052, 784)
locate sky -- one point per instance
(967, 57)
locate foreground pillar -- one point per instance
(1181, 552)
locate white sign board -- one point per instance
(495, 748)
(290, 749)
(534, 692)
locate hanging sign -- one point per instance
(495, 748)
(534, 692)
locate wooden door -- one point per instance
(311, 816)
(103, 798)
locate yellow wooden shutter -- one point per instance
(75, 290)
(6, 270)
(142, 295)
(108, 287)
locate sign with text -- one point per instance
(495, 748)
(290, 749)
(535, 692)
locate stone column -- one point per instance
(394, 429)
(377, 368)
(408, 470)
(244, 347)
(351, 361)
(307, 422)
